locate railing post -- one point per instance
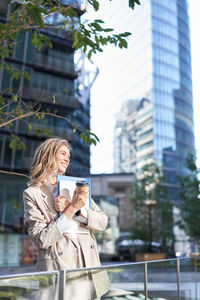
(196, 280)
(145, 281)
(62, 283)
(178, 278)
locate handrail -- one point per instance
(61, 279)
(9, 276)
(94, 268)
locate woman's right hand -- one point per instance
(61, 203)
(79, 199)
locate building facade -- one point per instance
(167, 81)
(156, 66)
(118, 186)
(54, 82)
(133, 138)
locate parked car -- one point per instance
(127, 249)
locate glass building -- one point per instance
(53, 74)
(156, 66)
(133, 136)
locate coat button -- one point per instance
(92, 246)
(60, 253)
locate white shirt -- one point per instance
(65, 225)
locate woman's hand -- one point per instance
(61, 203)
(79, 199)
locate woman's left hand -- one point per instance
(61, 203)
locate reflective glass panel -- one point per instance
(120, 282)
(34, 287)
(189, 279)
(162, 279)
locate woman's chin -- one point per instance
(61, 172)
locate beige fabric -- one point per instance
(60, 251)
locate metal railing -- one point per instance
(162, 279)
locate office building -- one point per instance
(118, 186)
(53, 74)
(133, 137)
(156, 66)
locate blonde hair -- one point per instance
(44, 163)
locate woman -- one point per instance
(63, 242)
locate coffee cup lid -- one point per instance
(81, 183)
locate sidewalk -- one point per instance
(17, 270)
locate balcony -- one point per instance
(47, 97)
(171, 279)
(54, 65)
(63, 132)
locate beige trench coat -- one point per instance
(59, 250)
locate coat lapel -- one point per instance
(48, 199)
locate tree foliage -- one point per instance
(152, 217)
(190, 196)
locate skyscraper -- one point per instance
(133, 136)
(156, 66)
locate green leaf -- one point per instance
(93, 134)
(42, 115)
(47, 132)
(35, 14)
(27, 75)
(108, 29)
(36, 115)
(96, 39)
(89, 54)
(54, 99)
(39, 46)
(2, 100)
(125, 34)
(72, 12)
(138, 2)
(74, 130)
(14, 98)
(84, 137)
(97, 26)
(29, 127)
(35, 38)
(46, 40)
(76, 39)
(92, 141)
(16, 143)
(4, 53)
(96, 5)
(99, 21)
(131, 4)
(124, 43)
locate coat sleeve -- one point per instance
(43, 233)
(97, 219)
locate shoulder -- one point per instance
(32, 189)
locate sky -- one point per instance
(97, 153)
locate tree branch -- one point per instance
(13, 173)
(17, 118)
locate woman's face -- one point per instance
(62, 159)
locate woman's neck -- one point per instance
(52, 180)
